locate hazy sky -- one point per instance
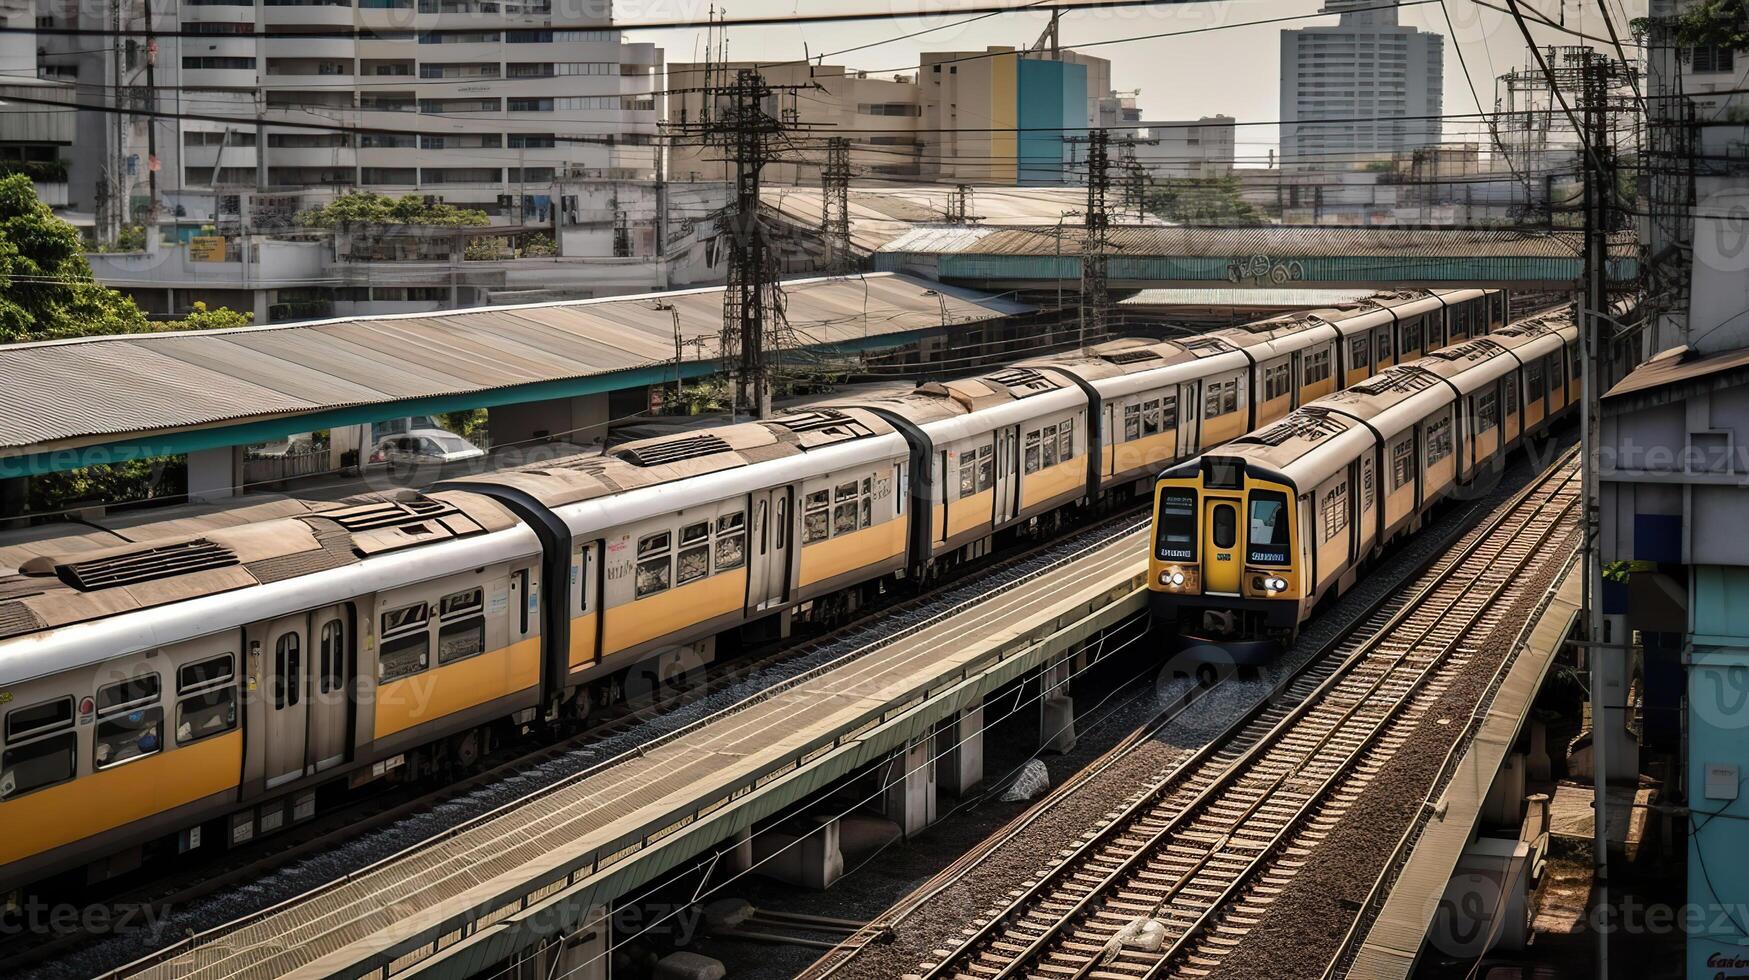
(1233, 70)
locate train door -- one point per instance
(1221, 570)
(1189, 415)
(1108, 436)
(329, 687)
(1007, 474)
(285, 663)
(769, 579)
(586, 623)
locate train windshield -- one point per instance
(1267, 538)
(1175, 539)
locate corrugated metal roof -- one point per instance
(879, 215)
(1279, 240)
(1679, 365)
(1247, 296)
(74, 392)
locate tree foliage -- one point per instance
(369, 208)
(1709, 23)
(1202, 201)
(46, 288)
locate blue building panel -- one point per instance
(1039, 97)
(1718, 760)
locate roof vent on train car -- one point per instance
(674, 450)
(1205, 346)
(1025, 379)
(826, 420)
(145, 565)
(1132, 356)
(1470, 351)
(1308, 424)
(389, 513)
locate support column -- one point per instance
(909, 796)
(1621, 753)
(212, 473)
(959, 744)
(802, 852)
(1056, 708)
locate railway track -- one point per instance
(1174, 877)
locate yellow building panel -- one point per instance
(1053, 481)
(640, 621)
(832, 557)
(112, 798)
(1004, 119)
(967, 513)
(442, 691)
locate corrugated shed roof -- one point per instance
(1247, 296)
(878, 215)
(106, 388)
(1279, 240)
(1678, 366)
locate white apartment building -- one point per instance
(1379, 84)
(1188, 148)
(482, 103)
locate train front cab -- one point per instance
(1223, 561)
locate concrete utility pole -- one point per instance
(835, 205)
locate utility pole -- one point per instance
(1094, 239)
(835, 204)
(752, 298)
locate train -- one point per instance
(196, 689)
(1250, 539)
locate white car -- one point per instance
(424, 447)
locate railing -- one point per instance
(258, 470)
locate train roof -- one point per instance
(1393, 399)
(682, 455)
(1303, 448)
(1105, 365)
(59, 588)
(1469, 365)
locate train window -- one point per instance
(135, 690)
(1132, 422)
(692, 564)
(655, 571)
(1066, 440)
(1511, 399)
(844, 510)
(1403, 462)
(693, 533)
(731, 548)
(1223, 397)
(201, 716)
(461, 629)
(1533, 382)
(1317, 366)
(1266, 534)
(780, 536)
(968, 474)
(1169, 412)
(333, 655)
(33, 765)
(1230, 397)
(1557, 371)
(1212, 400)
(131, 727)
(1175, 536)
(1357, 352)
(1277, 381)
(287, 671)
(1438, 440)
(1335, 511)
(1225, 525)
(1032, 452)
(1412, 334)
(1366, 487)
(1384, 339)
(406, 642)
(1049, 436)
(817, 517)
(1151, 418)
(1487, 412)
(38, 719)
(986, 467)
(203, 672)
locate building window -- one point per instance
(1707, 60)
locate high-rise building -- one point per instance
(483, 103)
(1359, 90)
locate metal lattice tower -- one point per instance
(752, 300)
(1096, 240)
(835, 205)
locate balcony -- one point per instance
(328, 13)
(341, 48)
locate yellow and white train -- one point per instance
(196, 689)
(1250, 538)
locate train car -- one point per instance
(1249, 539)
(152, 686)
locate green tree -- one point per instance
(46, 289)
(369, 208)
(1202, 201)
(202, 318)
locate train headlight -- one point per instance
(1172, 576)
(1275, 583)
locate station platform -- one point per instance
(533, 870)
